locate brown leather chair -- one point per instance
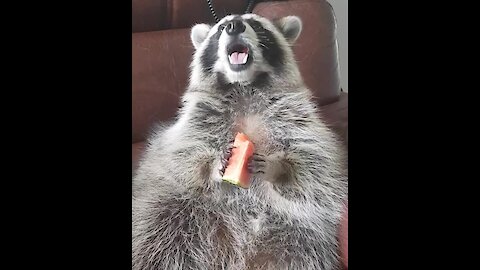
(162, 51)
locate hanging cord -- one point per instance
(212, 10)
(214, 14)
(250, 6)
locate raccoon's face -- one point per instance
(242, 47)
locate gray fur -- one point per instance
(185, 217)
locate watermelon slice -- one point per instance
(236, 171)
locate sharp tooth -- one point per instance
(230, 59)
(245, 59)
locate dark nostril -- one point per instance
(230, 27)
(235, 27)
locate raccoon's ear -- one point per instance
(291, 27)
(199, 33)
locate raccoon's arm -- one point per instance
(184, 163)
(309, 162)
(306, 161)
(188, 151)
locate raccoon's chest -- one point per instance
(254, 126)
(249, 116)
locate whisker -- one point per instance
(263, 45)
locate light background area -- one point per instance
(340, 7)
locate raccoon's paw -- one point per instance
(225, 157)
(272, 167)
(256, 164)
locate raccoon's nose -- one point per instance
(235, 27)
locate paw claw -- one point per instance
(256, 164)
(225, 157)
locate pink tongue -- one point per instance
(237, 58)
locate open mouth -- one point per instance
(238, 56)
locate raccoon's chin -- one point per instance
(246, 76)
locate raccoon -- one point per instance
(244, 78)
